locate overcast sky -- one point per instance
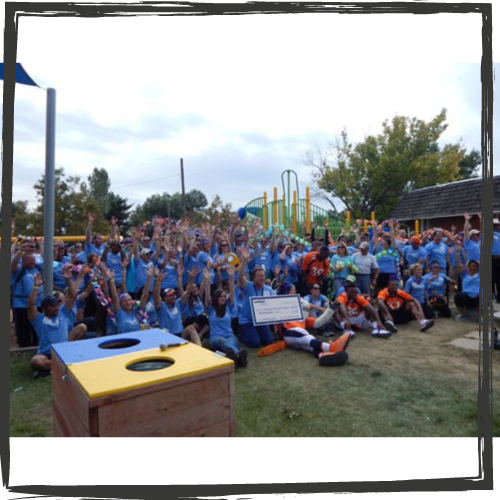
(239, 98)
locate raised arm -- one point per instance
(32, 310)
(145, 291)
(159, 277)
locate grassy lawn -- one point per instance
(414, 384)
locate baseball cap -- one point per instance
(496, 221)
(472, 232)
(51, 300)
(351, 279)
(415, 239)
(169, 291)
(364, 244)
(146, 251)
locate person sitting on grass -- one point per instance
(357, 312)
(467, 300)
(252, 336)
(54, 324)
(221, 336)
(437, 288)
(130, 315)
(168, 308)
(295, 335)
(397, 307)
(318, 304)
(415, 286)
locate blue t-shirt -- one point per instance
(413, 255)
(141, 268)
(114, 262)
(470, 284)
(344, 262)
(196, 310)
(472, 250)
(437, 252)
(321, 301)
(171, 279)
(23, 282)
(388, 260)
(416, 288)
(220, 327)
(251, 291)
(57, 272)
(495, 250)
(129, 322)
(171, 317)
(436, 286)
(53, 330)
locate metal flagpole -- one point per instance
(48, 209)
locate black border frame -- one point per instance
(484, 479)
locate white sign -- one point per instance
(276, 309)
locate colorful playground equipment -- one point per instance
(293, 212)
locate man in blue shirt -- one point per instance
(54, 324)
(253, 336)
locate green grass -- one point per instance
(412, 385)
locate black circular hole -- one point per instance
(149, 365)
(119, 344)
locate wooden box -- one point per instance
(99, 395)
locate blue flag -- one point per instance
(21, 75)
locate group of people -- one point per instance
(197, 283)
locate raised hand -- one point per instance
(231, 270)
(67, 273)
(125, 262)
(113, 221)
(90, 217)
(194, 272)
(38, 279)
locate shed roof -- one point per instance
(446, 200)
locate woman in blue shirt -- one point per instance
(219, 317)
(415, 286)
(468, 298)
(436, 288)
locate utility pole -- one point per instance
(183, 188)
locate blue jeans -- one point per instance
(364, 281)
(256, 336)
(219, 343)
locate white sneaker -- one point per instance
(352, 333)
(379, 332)
(426, 325)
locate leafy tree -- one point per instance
(119, 208)
(171, 206)
(99, 187)
(469, 164)
(376, 173)
(72, 202)
(218, 213)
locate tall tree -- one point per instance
(374, 174)
(99, 187)
(119, 208)
(72, 202)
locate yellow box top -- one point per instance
(103, 377)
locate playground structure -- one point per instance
(293, 213)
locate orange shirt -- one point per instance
(353, 306)
(313, 268)
(396, 302)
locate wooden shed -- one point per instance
(444, 205)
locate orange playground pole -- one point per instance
(275, 206)
(417, 227)
(348, 219)
(264, 213)
(373, 217)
